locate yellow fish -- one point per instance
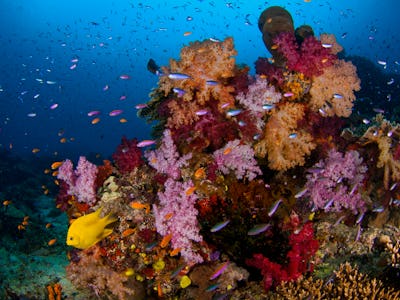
(89, 229)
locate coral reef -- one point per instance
(251, 182)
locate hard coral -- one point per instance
(128, 156)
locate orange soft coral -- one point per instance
(285, 144)
(209, 64)
(332, 93)
(385, 136)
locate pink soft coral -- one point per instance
(310, 58)
(335, 183)
(81, 182)
(179, 203)
(166, 159)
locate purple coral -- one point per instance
(334, 183)
(178, 202)
(81, 182)
(166, 158)
(258, 95)
(237, 158)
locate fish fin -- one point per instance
(109, 219)
(105, 233)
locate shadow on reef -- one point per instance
(380, 91)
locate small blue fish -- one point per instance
(259, 228)
(274, 208)
(219, 226)
(268, 106)
(178, 76)
(233, 112)
(211, 82)
(212, 287)
(328, 204)
(179, 91)
(337, 96)
(293, 135)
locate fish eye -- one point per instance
(71, 238)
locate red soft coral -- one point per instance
(303, 247)
(128, 156)
(310, 58)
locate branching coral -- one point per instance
(346, 283)
(284, 143)
(337, 183)
(332, 93)
(209, 64)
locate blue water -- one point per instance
(110, 38)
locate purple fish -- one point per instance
(146, 143)
(115, 112)
(257, 229)
(274, 207)
(219, 271)
(93, 113)
(178, 76)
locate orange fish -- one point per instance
(227, 151)
(55, 173)
(21, 227)
(175, 252)
(26, 218)
(56, 164)
(190, 191)
(46, 171)
(324, 60)
(95, 121)
(35, 150)
(25, 223)
(187, 33)
(123, 120)
(165, 240)
(52, 242)
(200, 173)
(168, 216)
(138, 205)
(274, 47)
(48, 225)
(63, 140)
(128, 232)
(6, 202)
